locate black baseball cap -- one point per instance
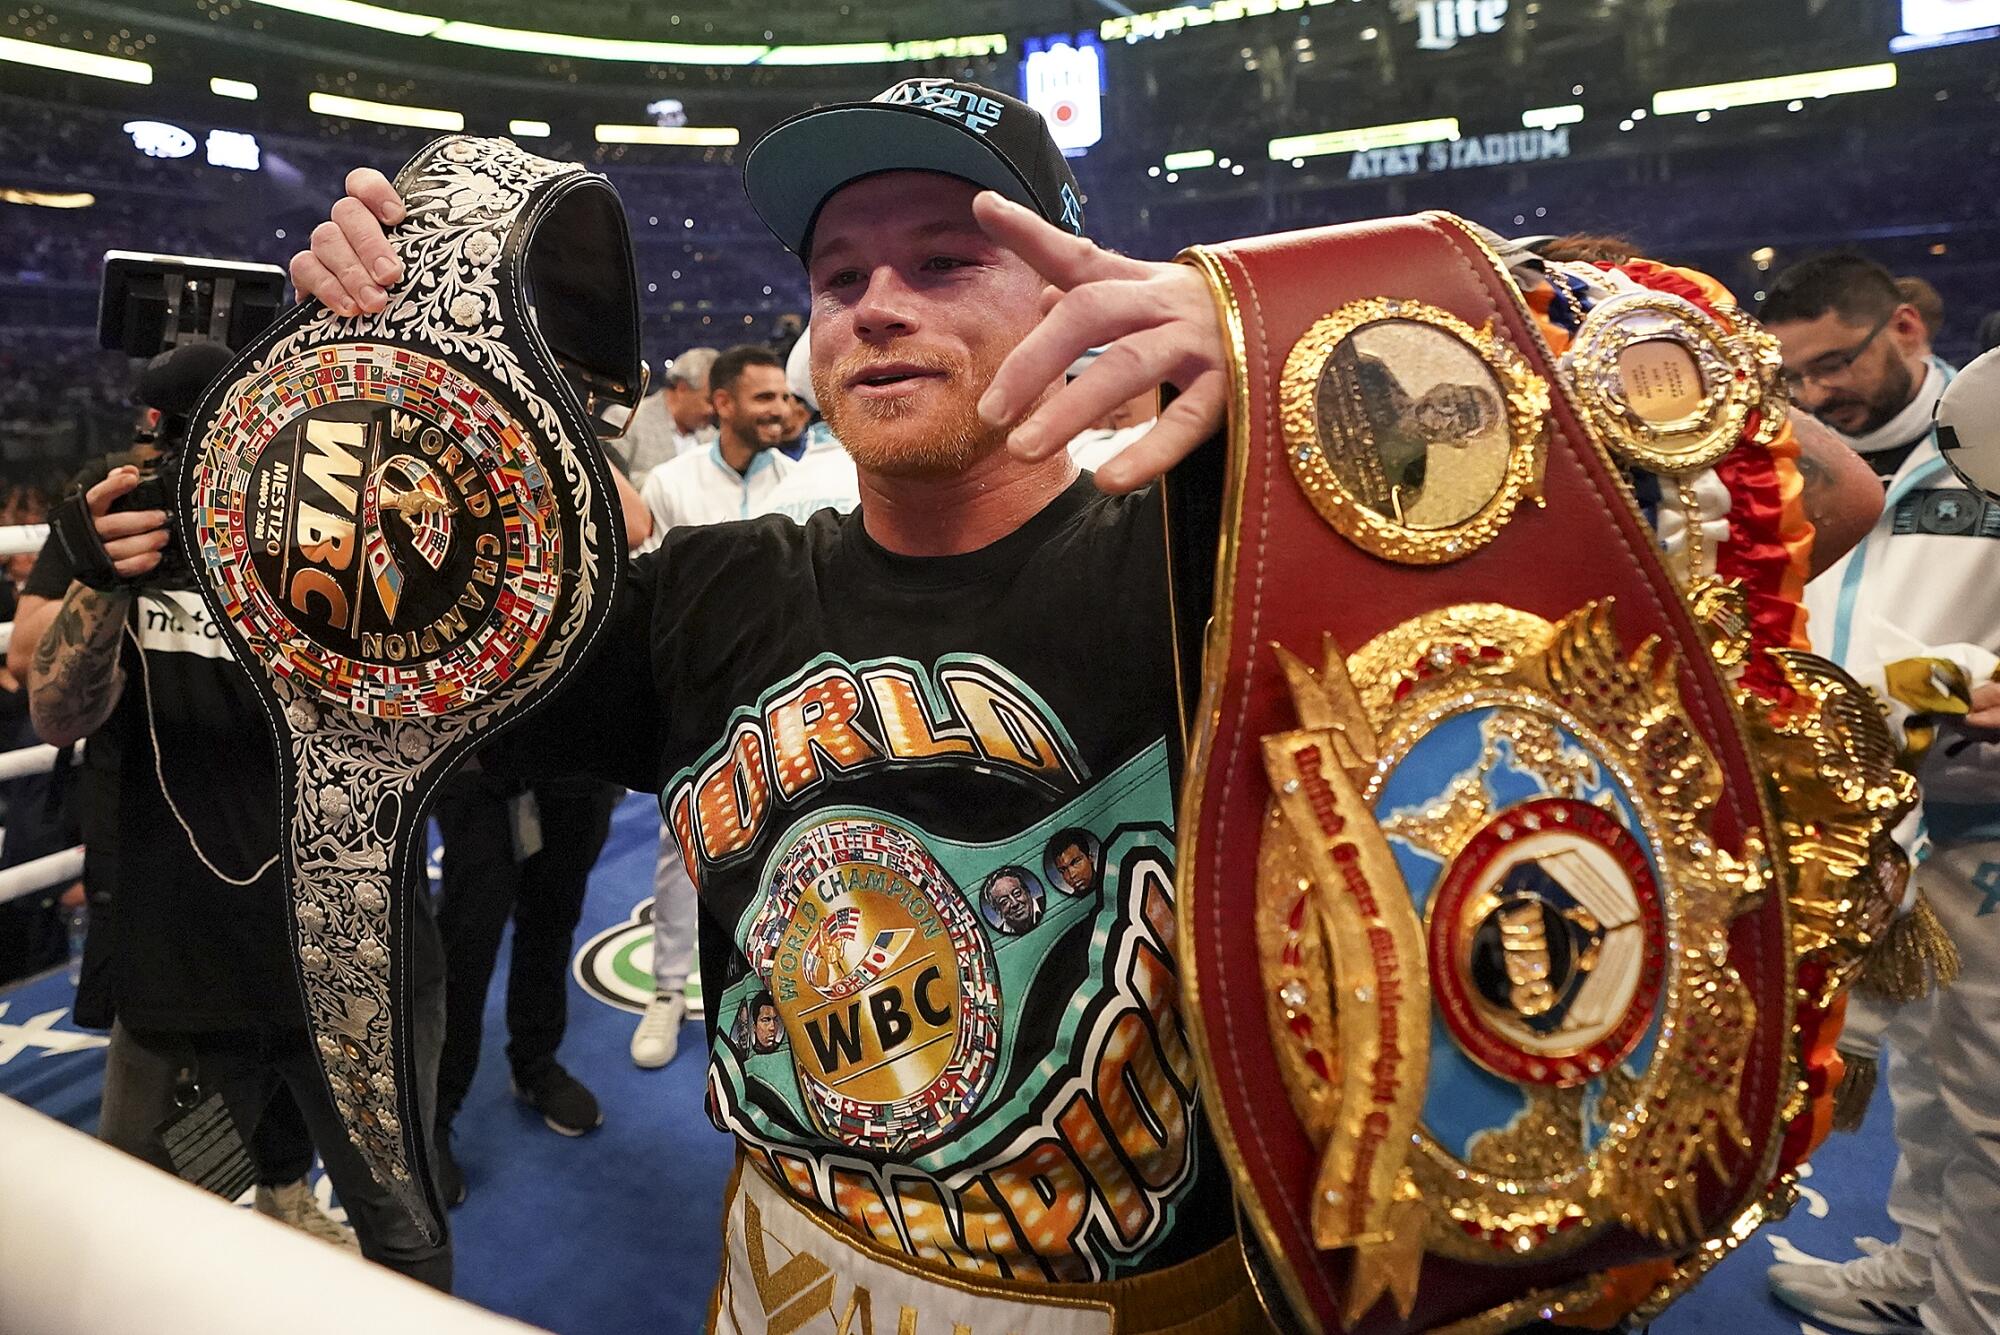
(932, 125)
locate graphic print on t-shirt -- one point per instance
(832, 721)
(969, 1050)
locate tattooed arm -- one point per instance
(75, 679)
(1842, 497)
(74, 676)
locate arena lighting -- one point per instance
(234, 149)
(1365, 138)
(1547, 118)
(385, 113)
(885, 53)
(528, 129)
(75, 199)
(375, 17)
(17, 52)
(1783, 88)
(378, 19)
(1162, 22)
(235, 88)
(698, 136)
(1929, 23)
(157, 139)
(1188, 161)
(595, 48)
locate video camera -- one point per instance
(188, 316)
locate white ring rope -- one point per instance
(41, 874)
(39, 759)
(55, 868)
(98, 1241)
(21, 539)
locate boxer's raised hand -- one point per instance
(1156, 323)
(351, 264)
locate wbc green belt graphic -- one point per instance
(945, 1004)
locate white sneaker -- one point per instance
(658, 1036)
(1876, 1294)
(293, 1203)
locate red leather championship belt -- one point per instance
(1495, 874)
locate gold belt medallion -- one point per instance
(1666, 387)
(1412, 433)
(1503, 823)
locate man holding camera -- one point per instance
(121, 651)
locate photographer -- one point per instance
(182, 824)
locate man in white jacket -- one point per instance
(1914, 613)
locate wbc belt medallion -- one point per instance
(406, 529)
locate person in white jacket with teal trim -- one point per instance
(1913, 612)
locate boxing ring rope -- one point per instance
(18, 540)
(97, 1241)
(21, 539)
(56, 868)
(39, 874)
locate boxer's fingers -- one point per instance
(1062, 258)
(373, 189)
(330, 247)
(116, 483)
(311, 278)
(1127, 368)
(365, 236)
(1183, 425)
(1096, 314)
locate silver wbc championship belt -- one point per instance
(405, 526)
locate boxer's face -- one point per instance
(1073, 865)
(913, 311)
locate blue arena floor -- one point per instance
(615, 1233)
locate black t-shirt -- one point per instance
(929, 805)
(189, 951)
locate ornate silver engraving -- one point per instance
(354, 773)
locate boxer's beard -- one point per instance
(903, 437)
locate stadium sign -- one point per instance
(226, 148)
(1063, 78)
(235, 150)
(1440, 23)
(1490, 150)
(157, 139)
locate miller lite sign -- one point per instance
(1440, 23)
